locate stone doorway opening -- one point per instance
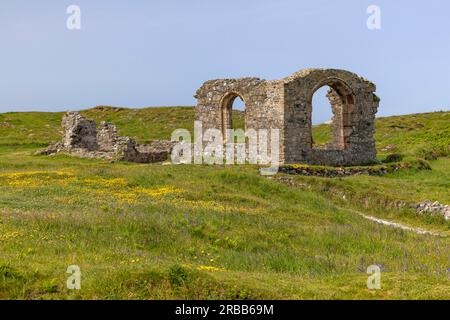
(342, 105)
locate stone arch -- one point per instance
(355, 105)
(215, 96)
(342, 100)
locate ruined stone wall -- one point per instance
(354, 104)
(79, 132)
(262, 99)
(287, 105)
(272, 114)
(83, 139)
(107, 137)
(215, 98)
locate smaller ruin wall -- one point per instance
(82, 138)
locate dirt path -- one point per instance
(394, 224)
(290, 182)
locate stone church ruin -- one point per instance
(286, 105)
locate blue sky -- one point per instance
(157, 53)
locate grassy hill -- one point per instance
(160, 231)
(425, 135)
(40, 128)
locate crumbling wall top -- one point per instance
(324, 72)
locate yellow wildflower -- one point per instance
(209, 268)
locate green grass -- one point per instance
(425, 135)
(322, 135)
(417, 136)
(143, 231)
(389, 196)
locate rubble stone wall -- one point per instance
(82, 138)
(79, 132)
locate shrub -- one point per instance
(178, 275)
(394, 157)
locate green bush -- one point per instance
(178, 275)
(394, 157)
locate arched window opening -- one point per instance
(233, 115)
(321, 119)
(238, 113)
(331, 126)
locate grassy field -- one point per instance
(424, 135)
(141, 231)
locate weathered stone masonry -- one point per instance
(286, 105)
(82, 138)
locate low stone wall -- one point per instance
(424, 208)
(433, 208)
(331, 172)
